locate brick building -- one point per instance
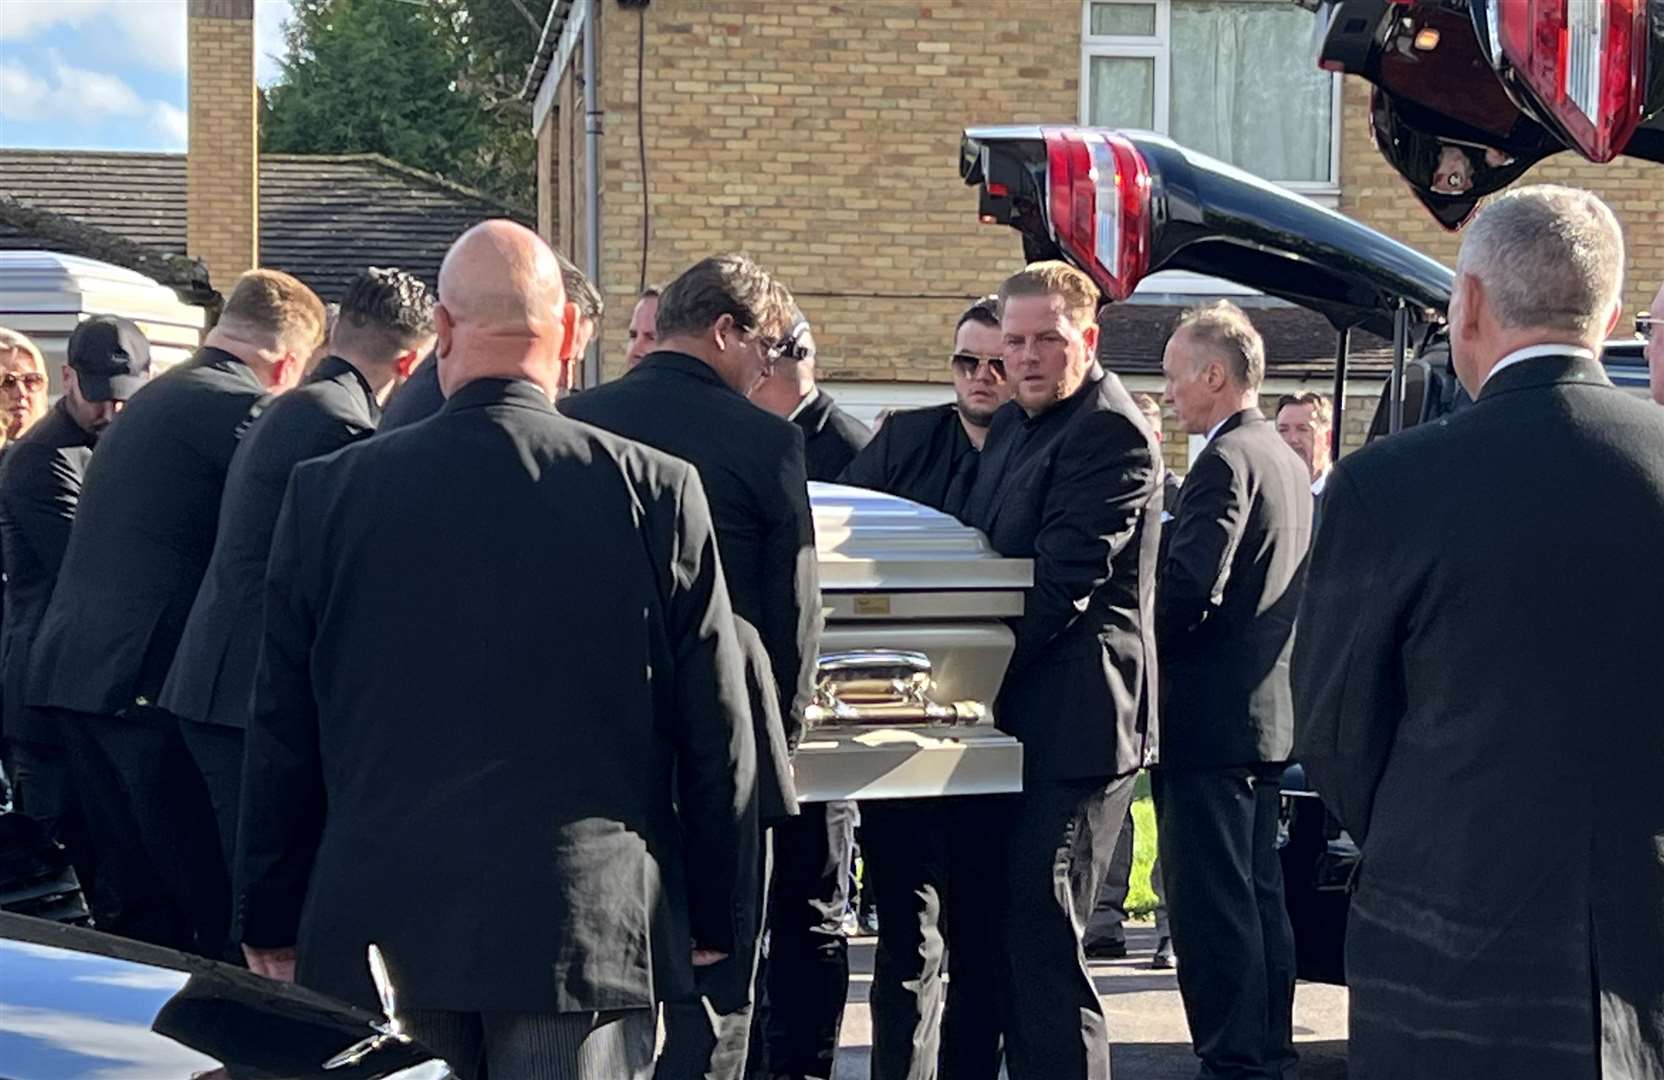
(822, 138)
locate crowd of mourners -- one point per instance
(364, 627)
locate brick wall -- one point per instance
(823, 139)
(1376, 195)
(222, 165)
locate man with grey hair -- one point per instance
(1233, 560)
(1468, 696)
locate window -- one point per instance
(1229, 78)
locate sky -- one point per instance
(105, 74)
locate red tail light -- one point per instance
(1099, 205)
(1586, 62)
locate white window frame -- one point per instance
(1160, 48)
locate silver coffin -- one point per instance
(912, 656)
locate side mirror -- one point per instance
(1449, 176)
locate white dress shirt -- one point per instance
(1532, 352)
(1321, 482)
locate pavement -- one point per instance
(1148, 1035)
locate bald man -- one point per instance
(529, 782)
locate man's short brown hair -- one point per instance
(724, 285)
(271, 308)
(1226, 330)
(1055, 278)
(1323, 414)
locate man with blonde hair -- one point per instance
(1233, 559)
(1473, 697)
(1070, 476)
(542, 821)
(137, 552)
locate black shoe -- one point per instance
(1107, 949)
(1163, 959)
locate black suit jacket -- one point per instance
(40, 485)
(213, 669)
(1477, 701)
(1078, 490)
(417, 399)
(831, 437)
(916, 454)
(500, 722)
(142, 538)
(1232, 569)
(751, 463)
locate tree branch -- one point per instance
(535, 25)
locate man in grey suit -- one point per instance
(530, 780)
(1474, 694)
(1233, 560)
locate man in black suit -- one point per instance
(918, 852)
(1471, 697)
(831, 437)
(1106, 937)
(419, 396)
(530, 781)
(718, 324)
(1232, 567)
(40, 485)
(137, 552)
(1071, 478)
(385, 324)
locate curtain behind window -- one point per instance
(1244, 88)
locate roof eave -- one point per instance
(554, 24)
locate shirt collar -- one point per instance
(808, 400)
(1214, 430)
(1322, 481)
(1532, 352)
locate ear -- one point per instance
(444, 329)
(1471, 292)
(286, 372)
(406, 361)
(1089, 334)
(568, 331)
(1617, 313)
(721, 331)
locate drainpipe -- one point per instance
(592, 180)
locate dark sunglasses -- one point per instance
(966, 364)
(31, 381)
(1644, 323)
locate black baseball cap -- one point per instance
(111, 358)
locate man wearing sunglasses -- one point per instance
(918, 453)
(831, 437)
(911, 847)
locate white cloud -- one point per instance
(76, 97)
(269, 17)
(172, 122)
(147, 33)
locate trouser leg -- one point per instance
(44, 790)
(1110, 912)
(1275, 929)
(141, 903)
(808, 959)
(700, 1039)
(1211, 826)
(457, 1037)
(905, 869)
(1159, 887)
(1060, 843)
(973, 1030)
(217, 750)
(615, 1045)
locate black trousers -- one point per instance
(933, 866)
(1231, 935)
(1058, 846)
(152, 805)
(217, 750)
(704, 1041)
(43, 788)
(807, 968)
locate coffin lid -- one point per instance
(867, 540)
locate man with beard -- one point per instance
(40, 485)
(385, 324)
(919, 852)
